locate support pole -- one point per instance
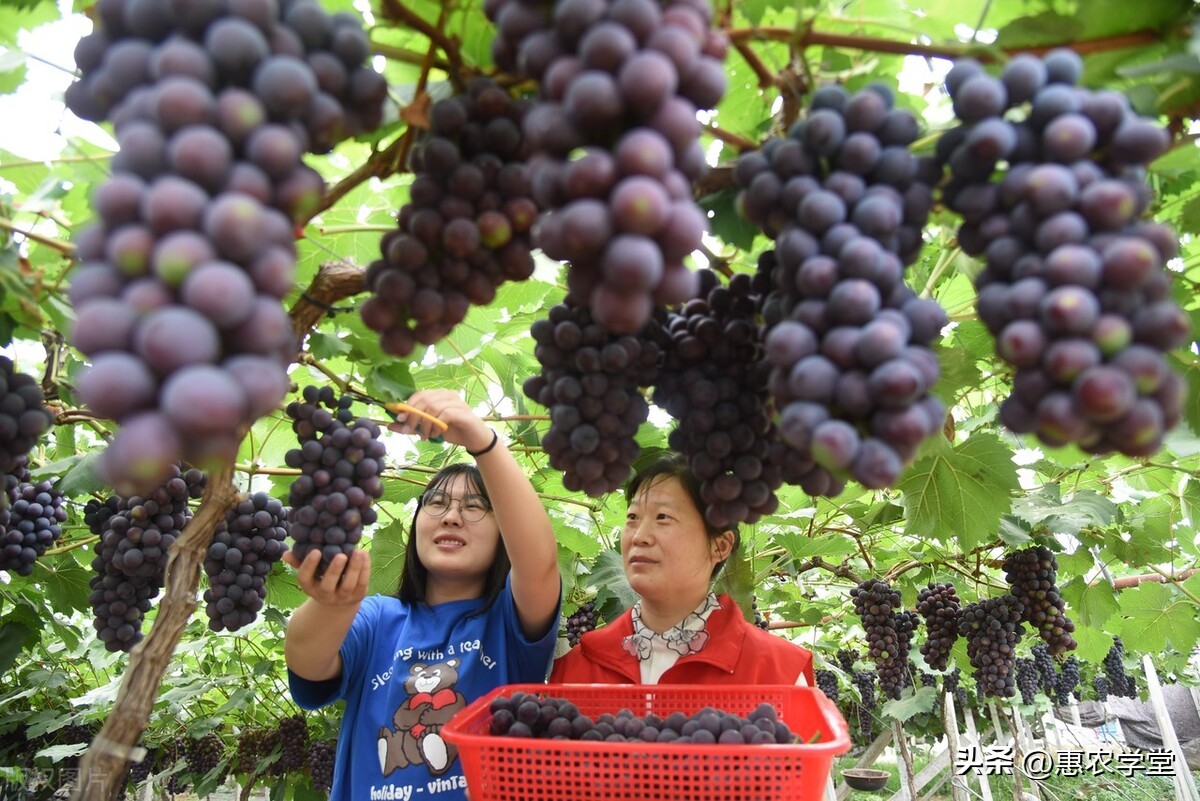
(958, 784)
(1185, 783)
(907, 783)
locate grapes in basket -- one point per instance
(549, 718)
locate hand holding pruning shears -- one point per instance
(433, 412)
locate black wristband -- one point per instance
(477, 454)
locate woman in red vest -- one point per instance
(679, 632)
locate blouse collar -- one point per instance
(686, 637)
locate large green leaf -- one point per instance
(924, 699)
(960, 492)
(13, 637)
(1089, 604)
(19, 15)
(1159, 615)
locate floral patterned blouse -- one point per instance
(658, 652)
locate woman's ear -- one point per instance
(722, 545)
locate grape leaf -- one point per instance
(12, 640)
(960, 493)
(1089, 604)
(615, 595)
(1045, 508)
(1158, 615)
(387, 556)
(922, 700)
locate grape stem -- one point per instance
(401, 54)
(256, 470)
(379, 164)
(730, 138)
(1176, 581)
(65, 248)
(766, 78)
(394, 10)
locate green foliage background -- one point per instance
(968, 497)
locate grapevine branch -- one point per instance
(334, 281)
(809, 37)
(728, 137)
(395, 10)
(65, 248)
(104, 765)
(379, 164)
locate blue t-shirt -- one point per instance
(405, 671)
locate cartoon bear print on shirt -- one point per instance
(415, 737)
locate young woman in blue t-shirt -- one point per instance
(465, 619)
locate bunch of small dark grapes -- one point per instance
(1031, 574)
(14, 744)
(1067, 683)
(893, 669)
(244, 548)
(97, 512)
(827, 683)
(590, 382)
(992, 628)
(140, 771)
(1027, 679)
(846, 657)
(1102, 686)
(1046, 669)
(341, 459)
(131, 556)
(466, 228)
(864, 680)
(847, 340)
(75, 734)
(713, 383)
(580, 622)
(178, 294)
(759, 620)
(876, 604)
(293, 744)
(308, 70)
(1050, 180)
(951, 684)
(620, 84)
(548, 717)
(203, 754)
(35, 515)
(940, 606)
(253, 748)
(23, 415)
(321, 756)
(1120, 683)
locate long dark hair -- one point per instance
(414, 578)
(676, 466)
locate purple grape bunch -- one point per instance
(341, 460)
(244, 548)
(1050, 180)
(620, 83)
(848, 342)
(467, 226)
(178, 293)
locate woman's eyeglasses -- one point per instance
(473, 508)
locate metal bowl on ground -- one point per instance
(866, 778)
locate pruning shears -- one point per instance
(399, 407)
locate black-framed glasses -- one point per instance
(473, 508)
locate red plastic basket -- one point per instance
(519, 769)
